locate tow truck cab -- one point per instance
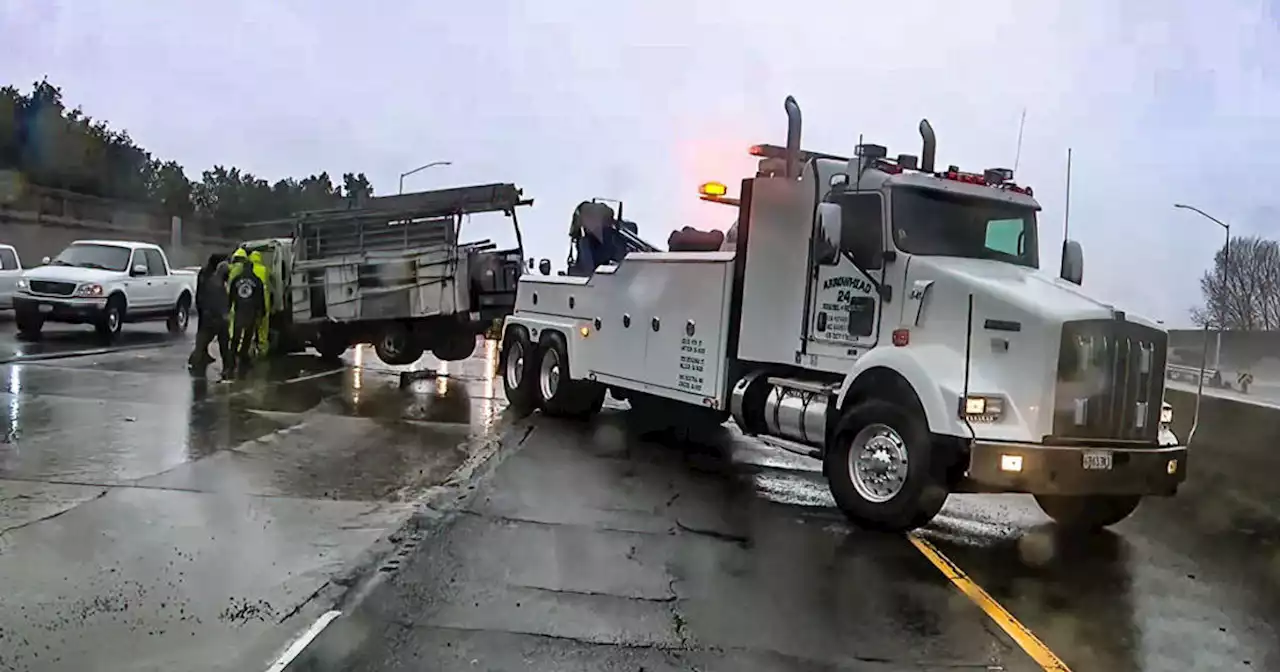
(882, 316)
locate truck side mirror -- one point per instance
(826, 242)
(544, 267)
(1072, 262)
(139, 269)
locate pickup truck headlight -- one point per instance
(1166, 414)
(89, 290)
(22, 283)
(981, 408)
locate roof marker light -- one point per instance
(713, 189)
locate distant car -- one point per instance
(104, 283)
(10, 272)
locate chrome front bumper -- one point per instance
(1074, 470)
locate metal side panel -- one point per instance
(685, 318)
(341, 299)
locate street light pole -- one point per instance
(421, 168)
(1226, 277)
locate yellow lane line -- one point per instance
(1012, 627)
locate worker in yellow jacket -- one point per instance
(264, 324)
(242, 261)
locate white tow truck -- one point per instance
(883, 317)
(105, 283)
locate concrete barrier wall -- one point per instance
(1234, 458)
(40, 222)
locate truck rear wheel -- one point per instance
(558, 394)
(1088, 512)
(181, 316)
(456, 347)
(397, 346)
(519, 371)
(880, 470)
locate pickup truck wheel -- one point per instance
(396, 345)
(558, 394)
(181, 317)
(112, 319)
(1087, 512)
(29, 327)
(519, 372)
(880, 470)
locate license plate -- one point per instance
(1097, 460)
(46, 308)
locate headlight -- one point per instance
(89, 290)
(1166, 414)
(22, 283)
(981, 408)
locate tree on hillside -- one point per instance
(53, 146)
(1244, 294)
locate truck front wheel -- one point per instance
(880, 468)
(112, 319)
(1087, 512)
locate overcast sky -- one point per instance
(1162, 101)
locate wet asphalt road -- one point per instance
(590, 550)
(151, 522)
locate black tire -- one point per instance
(331, 344)
(111, 322)
(920, 493)
(29, 326)
(1087, 513)
(181, 316)
(457, 346)
(396, 345)
(519, 363)
(558, 394)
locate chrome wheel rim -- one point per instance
(549, 374)
(515, 365)
(113, 319)
(878, 463)
(182, 317)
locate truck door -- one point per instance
(844, 301)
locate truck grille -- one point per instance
(1110, 381)
(53, 288)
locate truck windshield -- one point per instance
(104, 257)
(940, 223)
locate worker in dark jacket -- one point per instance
(211, 313)
(248, 306)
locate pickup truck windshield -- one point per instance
(104, 257)
(939, 223)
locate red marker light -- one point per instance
(901, 337)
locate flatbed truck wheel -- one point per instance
(880, 468)
(396, 345)
(558, 394)
(519, 371)
(1087, 513)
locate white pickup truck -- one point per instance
(10, 271)
(104, 283)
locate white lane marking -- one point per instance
(312, 376)
(300, 644)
